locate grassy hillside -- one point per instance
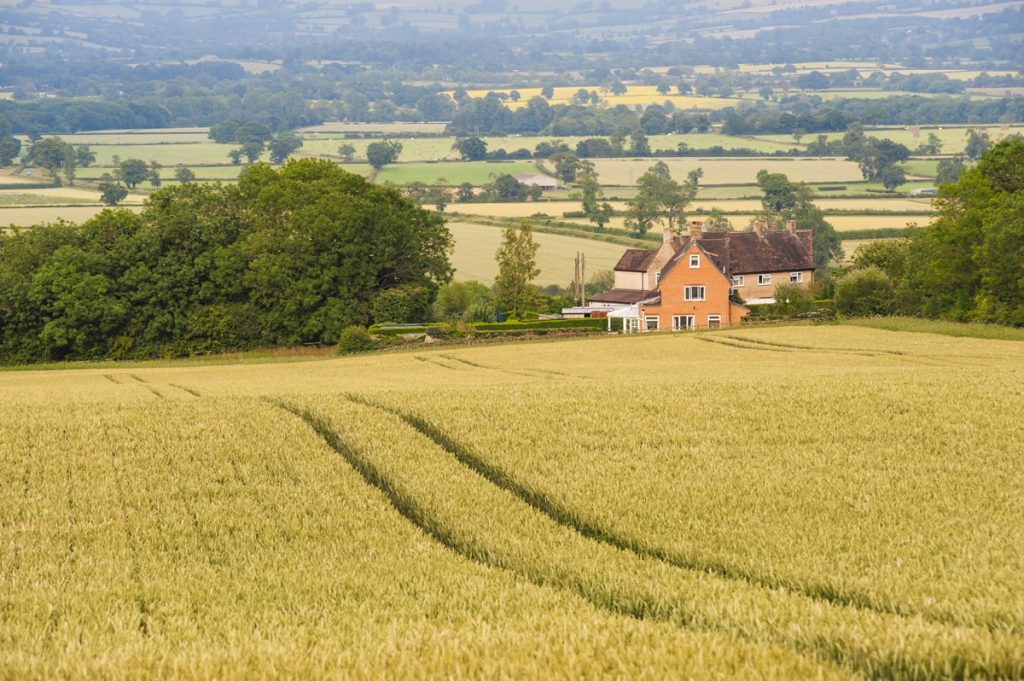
(524, 510)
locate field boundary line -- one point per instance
(567, 517)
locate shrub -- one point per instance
(864, 292)
(408, 303)
(354, 339)
(792, 300)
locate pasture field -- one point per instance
(476, 245)
(953, 137)
(524, 511)
(440, 148)
(9, 198)
(27, 216)
(452, 172)
(393, 129)
(119, 137)
(625, 171)
(842, 223)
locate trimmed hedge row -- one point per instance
(597, 324)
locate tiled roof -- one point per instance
(625, 296)
(635, 260)
(750, 252)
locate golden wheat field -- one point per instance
(778, 503)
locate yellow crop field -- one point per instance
(476, 245)
(635, 95)
(812, 505)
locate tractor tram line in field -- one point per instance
(552, 547)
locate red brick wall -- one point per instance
(716, 295)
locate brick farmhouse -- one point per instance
(698, 281)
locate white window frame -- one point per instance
(764, 280)
(631, 325)
(684, 322)
(796, 277)
(694, 261)
(737, 280)
(652, 318)
(691, 293)
(717, 319)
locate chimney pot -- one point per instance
(696, 229)
(791, 226)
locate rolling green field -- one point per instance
(953, 137)
(524, 510)
(452, 172)
(625, 171)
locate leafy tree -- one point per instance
(863, 292)
(10, 147)
(890, 256)
(252, 151)
(517, 268)
(877, 155)
(465, 192)
(792, 300)
(283, 145)
(401, 304)
(133, 171)
(568, 164)
(471, 148)
(236, 155)
(225, 132)
(74, 292)
(815, 80)
(84, 156)
(154, 173)
(547, 92)
(639, 145)
(112, 192)
(949, 170)
(436, 107)
(932, 146)
(969, 263)
(892, 177)
(717, 222)
(455, 300)
(380, 154)
(978, 142)
(785, 200)
(69, 164)
(508, 188)
(253, 133)
(183, 174)
(658, 196)
(50, 153)
(779, 193)
(347, 152)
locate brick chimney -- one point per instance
(759, 227)
(667, 235)
(791, 226)
(696, 229)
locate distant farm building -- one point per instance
(545, 182)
